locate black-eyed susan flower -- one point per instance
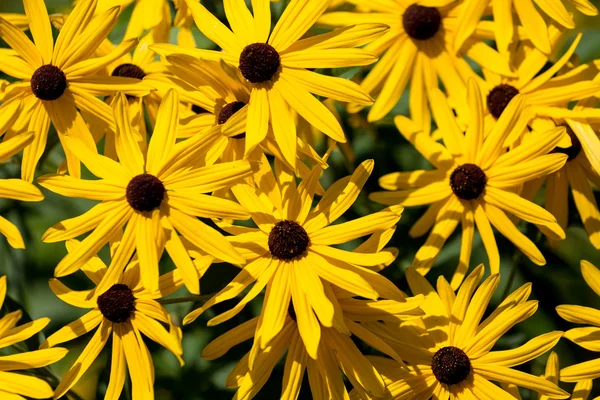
(15, 189)
(586, 337)
(531, 19)
(472, 183)
(336, 351)
(418, 47)
(449, 351)
(275, 65)
(125, 312)
(552, 373)
(292, 252)
(547, 94)
(221, 102)
(155, 196)
(15, 385)
(58, 78)
(578, 175)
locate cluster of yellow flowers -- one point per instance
(195, 140)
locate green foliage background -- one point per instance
(559, 282)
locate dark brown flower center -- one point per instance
(499, 97)
(129, 71)
(145, 192)
(468, 181)
(259, 62)
(227, 111)
(450, 365)
(117, 303)
(573, 150)
(288, 240)
(48, 82)
(421, 22)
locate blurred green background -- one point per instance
(559, 282)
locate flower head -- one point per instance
(292, 253)
(473, 182)
(123, 312)
(274, 63)
(59, 78)
(156, 197)
(449, 350)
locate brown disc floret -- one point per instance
(129, 71)
(421, 22)
(117, 303)
(574, 149)
(145, 192)
(499, 97)
(450, 365)
(288, 240)
(48, 82)
(468, 181)
(227, 112)
(259, 62)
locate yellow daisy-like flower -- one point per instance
(418, 47)
(472, 183)
(221, 103)
(57, 79)
(577, 174)
(546, 95)
(586, 337)
(580, 392)
(125, 312)
(529, 16)
(14, 385)
(291, 252)
(275, 65)
(448, 351)
(15, 189)
(336, 350)
(155, 195)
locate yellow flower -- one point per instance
(580, 392)
(57, 79)
(336, 350)
(220, 102)
(448, 351)
(546, 95)
(577, 174)
(275, 65)
(155, 196)
(586, 337)
(125, 312)
(418, 47)
(533, 22)
(291, 253)
(472, 183)
(14, 385)
(15, 189)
